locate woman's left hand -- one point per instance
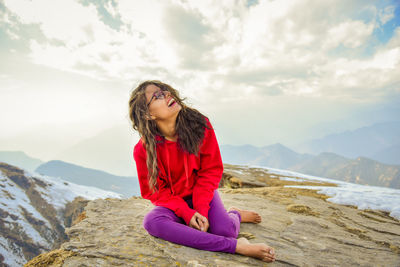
(203, 222)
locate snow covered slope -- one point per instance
(32, 212)
(362, 196)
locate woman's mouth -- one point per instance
(171, 102)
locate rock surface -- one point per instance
(304, 229)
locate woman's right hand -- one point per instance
(199, 222)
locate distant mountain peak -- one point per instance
(278, 145)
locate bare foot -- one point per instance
(248, 215)
(258, 250)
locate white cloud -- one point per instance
(67, 21)
(145, 19)
(386, 14)
(394, 42)
(88, 46)
(272, 48)
(349, 33)
(272, 67)
(12, 35)
(385, 59)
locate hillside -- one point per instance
(304, 228)
(125, 185)
(361, 170)
(34, 212)
(19, 158)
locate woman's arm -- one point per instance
(163, 197)
(209, 174)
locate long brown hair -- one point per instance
(190, 126)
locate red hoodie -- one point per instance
(182, 174)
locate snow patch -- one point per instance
(15, 257)
(345, 193)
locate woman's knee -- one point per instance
(148, 222)
(154, 220)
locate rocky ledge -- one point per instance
(304, 229)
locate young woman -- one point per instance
(179, 168)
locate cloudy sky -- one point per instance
(262, 71)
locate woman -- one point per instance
(179, 168)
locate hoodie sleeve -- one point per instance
(209, 174)
(163, 197)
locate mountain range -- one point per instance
(346, 156)
(380, 142)
(330, 165)
(111, 150)
(124, 185)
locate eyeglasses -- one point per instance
(161, 94)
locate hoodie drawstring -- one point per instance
(169, 172)
(185, 161)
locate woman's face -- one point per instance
(163, 108)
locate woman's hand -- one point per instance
(199, 222)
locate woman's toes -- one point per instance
(247, 215)
(268, 259)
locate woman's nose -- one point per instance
(167, 93)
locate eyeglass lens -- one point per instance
(161, 94)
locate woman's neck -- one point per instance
(167, 128)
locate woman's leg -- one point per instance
(163, 223)
(228, 224)
(222, 222)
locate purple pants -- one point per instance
(221, 235)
